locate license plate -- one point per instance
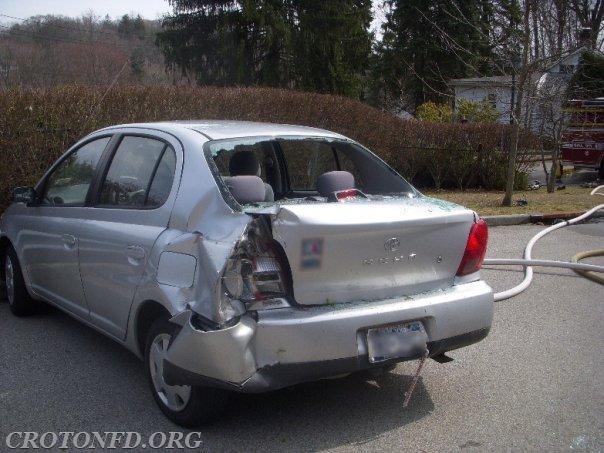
(396, 342)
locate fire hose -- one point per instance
(589, 271)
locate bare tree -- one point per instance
(547, 30)
(591, 15)
(523, 76)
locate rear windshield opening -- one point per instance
(290, 168)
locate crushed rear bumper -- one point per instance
(289, 346)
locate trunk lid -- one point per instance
(370, 250)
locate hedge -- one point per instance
(37, 126)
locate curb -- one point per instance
(520, 219)
(507, 220)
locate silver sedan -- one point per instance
(238, 256)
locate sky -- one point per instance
(149, 9)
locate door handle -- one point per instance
(69, 240)
(135, 252)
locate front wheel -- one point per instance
(19, 301)
(186, 405)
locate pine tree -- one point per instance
(332, 45)
(305, 44)
(588, 81)
(207, 39)
(428, 42)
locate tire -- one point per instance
(187, 406)
(601, 171)
(19, 301)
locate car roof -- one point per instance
(222, 129)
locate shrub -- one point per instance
(477, 111)
(436, 113)
(37, 126)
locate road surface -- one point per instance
(534, 384)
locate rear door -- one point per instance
(131, 209)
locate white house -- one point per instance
(497, 90)
(543, 93)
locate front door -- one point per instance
(49, 232)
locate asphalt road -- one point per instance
(534, 384)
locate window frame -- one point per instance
(284, 171)
(105, 165)
(43, 184)
(281, 161)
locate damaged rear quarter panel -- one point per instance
(202, 225)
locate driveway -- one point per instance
(534, 384)
(576, 177)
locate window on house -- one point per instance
(492, 100)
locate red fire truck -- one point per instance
(583, 137)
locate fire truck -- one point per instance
(583, 138)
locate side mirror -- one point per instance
(25, 195)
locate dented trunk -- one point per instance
(369, 250)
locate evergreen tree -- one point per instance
(207, 39)
(131, 26)
(588, 81)
(427, 42)
(332, 45)
(306, 44)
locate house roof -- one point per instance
(567, 55)
(489, 81)
(506, 81)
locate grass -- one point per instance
(570, 200)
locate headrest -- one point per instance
(333, 181)
(244, 163)
(246, 188)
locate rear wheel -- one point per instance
(187, 406)
(18, 299)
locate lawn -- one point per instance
(570, 200)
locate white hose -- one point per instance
(595, 191)
(528, 260)
(546, 263)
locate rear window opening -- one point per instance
(299, 170)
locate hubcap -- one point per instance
(9, 279)
(175, 397)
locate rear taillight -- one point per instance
(256, 276)
(476, 248)
(265, 281)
